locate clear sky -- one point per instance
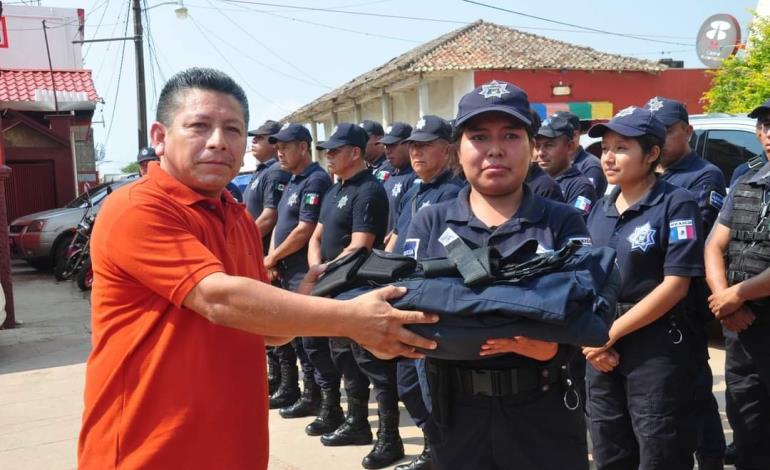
(285, 57)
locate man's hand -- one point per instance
(738, 321)
(521, 345)
(725, 302)
(270, 262)
(378, 327)
(308, 282)
(273, 275)
(603, 359)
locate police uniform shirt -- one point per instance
(705, 182)
(761, 176)
(422, 195)
(265, 187)
(395, 187)
(661, 235)
(301, 202)
(381, 169)
(542, 184)
(356, 205)
(551, 223)
(591, 167)
(577, 190)
(743, 168)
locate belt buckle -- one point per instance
(483, 383)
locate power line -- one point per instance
(120, 74)
(273, 53)
(106, 3)
(148, 30)
(205, 34)
(572, 25)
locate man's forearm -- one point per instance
(757, 287)
(296, 240)
(266, 220)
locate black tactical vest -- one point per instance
(748, 253)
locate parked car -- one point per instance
(242, 180)
(42, 237)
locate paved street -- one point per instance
(41, 385)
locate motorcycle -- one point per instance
(76, 256)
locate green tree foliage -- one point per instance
(742, 82)
(132, 167)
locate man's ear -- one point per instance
(158, 137)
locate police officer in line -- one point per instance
(737, 255)
(298, 212)
(641, 382)
(538, 180)
(483, 412)
(375, 153)
(145, 156)
(351, 218)
(266, 185)
(430, 154)
(586, 163)
(554, 147)
(682, 167)
(402, 175)
(261, 198)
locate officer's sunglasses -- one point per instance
(764, 127)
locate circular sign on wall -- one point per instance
(718, 38)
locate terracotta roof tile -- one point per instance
(21, 85)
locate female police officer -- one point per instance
(505, 411)
(641, 383)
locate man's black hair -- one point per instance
(201, 79)
(647, 142)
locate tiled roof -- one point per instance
(481, 46)
(34, 87)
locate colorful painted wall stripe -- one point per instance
(588, 110)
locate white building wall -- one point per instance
(441, 98)
(372, 110)
(406, 107)
(22, 33)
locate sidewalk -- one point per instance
(42, 365)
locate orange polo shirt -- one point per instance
(165, 388)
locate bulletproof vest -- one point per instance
(748, 253)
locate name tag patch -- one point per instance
(716, 200)
(411, 246)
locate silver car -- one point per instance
(42, 237)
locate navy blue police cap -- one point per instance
(396, 132)
(556, 126)
(291, 132)
(631, 122)
(147, 154)
(346, 133)
(764, 108)
(494, 96)
(667, 110)
(430, 128)
(573, 118)
(372, 127)
(270, 127)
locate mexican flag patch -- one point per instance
(312, 199)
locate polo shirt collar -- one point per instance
(357, 178)
(402, 171)
(437, 181)
(652, 198)
(762, 175)
(570, 173)
(684, 163)
(529, 210)
(267, 163)
(176, 188)
(379, 162)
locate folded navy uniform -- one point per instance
(568, 296)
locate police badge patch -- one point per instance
(396, 190)
(411, 245)
(642, 238)
(342, 202)
(292, 199)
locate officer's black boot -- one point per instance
(330, 417)
(307, 405)
(288, 390)
(355, 430)
(710, 463)
(424, 461)
(273, 373)
(388, 448)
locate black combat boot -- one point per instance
(424, 461)
(355, 430)
(273, 374)
(330, 417)
(388, 448)
(288, 390)
(710, 463)
(308, 404)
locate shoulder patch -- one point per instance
(583, 204)
(585, 241)
(716, 200)
(680, 230)
(312, 199)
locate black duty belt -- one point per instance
(503, 382)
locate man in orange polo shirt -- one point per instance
(180, 309)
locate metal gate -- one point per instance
(31, 188)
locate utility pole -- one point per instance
(141, 94)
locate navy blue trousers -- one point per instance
(325, 372)
(382, 375)
(356, 382)
(290, 280)
(747, 372)
(409, 391)
(640, 415)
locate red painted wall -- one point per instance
(622, 89)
